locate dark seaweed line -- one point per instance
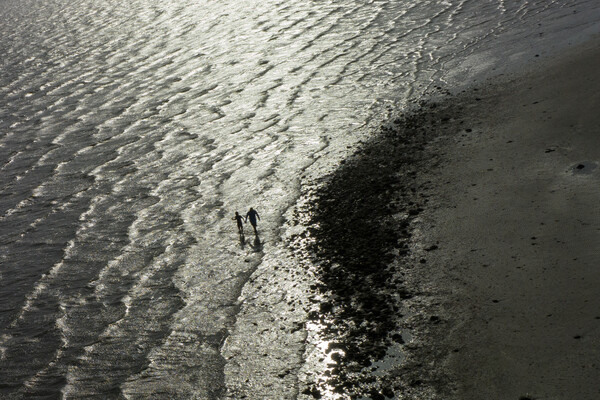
(359, 222)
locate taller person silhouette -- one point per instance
(252, 215)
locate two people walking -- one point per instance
(251, 215)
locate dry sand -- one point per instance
(515, 213)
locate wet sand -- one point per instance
(464, 238)
(506, 254)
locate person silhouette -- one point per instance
(252, 215)
(239, 219)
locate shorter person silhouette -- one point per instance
(252, 215)
(240, 225)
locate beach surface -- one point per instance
(508, 244)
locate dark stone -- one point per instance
(396, 337)
(340, 389)
(375, 395)
(313, 315)
(388, 392)
(326, 307)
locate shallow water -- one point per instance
(130, 132)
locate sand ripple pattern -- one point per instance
(131, 131)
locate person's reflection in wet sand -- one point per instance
(256, 244)
(242, 240)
